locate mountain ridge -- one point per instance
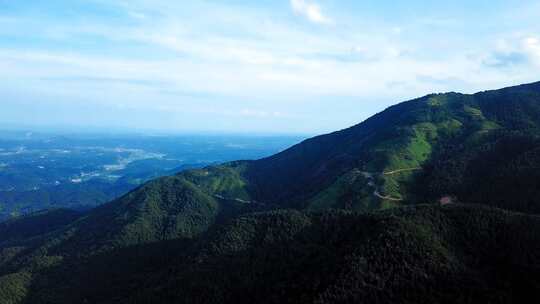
(481, 148)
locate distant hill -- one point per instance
(82, 171)
(354, 215)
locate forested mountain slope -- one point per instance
(262, 230)
(423, 254)
(416, 151)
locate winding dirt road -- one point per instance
(376, 192)
(402, 170)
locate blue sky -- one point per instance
(280, 66)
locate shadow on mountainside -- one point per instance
(421, 254)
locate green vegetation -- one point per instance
(352, 216)
(14, 287)
(350, 191)
(423, 254)
(225, 181)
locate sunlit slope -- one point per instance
(416, 151)
(422, 150)
(445, 145)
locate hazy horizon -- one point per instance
(76, 131)
(235, 67)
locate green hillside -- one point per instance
(423, 254)
(408, 153)
(350, 216)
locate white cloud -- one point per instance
(515, 49)
(531, 45)
(255, 71)
(310, 10)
